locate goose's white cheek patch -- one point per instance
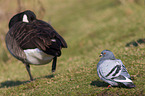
(25, 18)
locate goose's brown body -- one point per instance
(34, 34)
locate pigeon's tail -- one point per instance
(124, 81)
(129, 84)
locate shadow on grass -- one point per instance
(17, 83)
(104, 84)
(47, 76)
(99, 83)
(11, 83)
(135, 43)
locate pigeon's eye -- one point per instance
(104, 53)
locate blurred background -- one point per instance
(75, 18)
(88, 26)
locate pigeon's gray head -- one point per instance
(107, 55)
(26, 16)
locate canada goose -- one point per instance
(33, 41)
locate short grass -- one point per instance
(88, 27)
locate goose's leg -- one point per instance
(28, 70)
(54, 64)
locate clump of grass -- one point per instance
(3, 55)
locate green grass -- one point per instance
(88, 27)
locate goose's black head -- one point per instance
(26, 16)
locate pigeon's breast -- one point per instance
(36, 56)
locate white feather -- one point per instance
(53, 40)
(36, 56)
(25, 18)
(126, 80)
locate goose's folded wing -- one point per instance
(30, 36)
(47, 26)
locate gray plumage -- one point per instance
(112, 70)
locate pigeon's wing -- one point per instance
(124, 71)
(110, 69)
(113, 71)
(124, 76)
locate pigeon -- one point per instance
(113, 71)
(33, 41)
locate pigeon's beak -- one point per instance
(100, 55)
